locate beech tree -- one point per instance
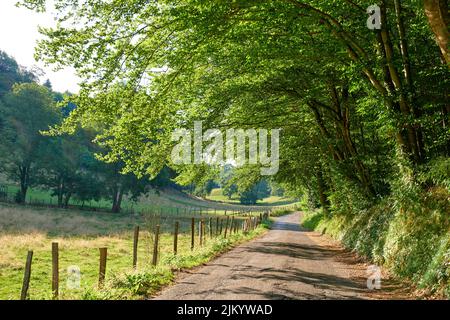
(354, 104)
(28, 110)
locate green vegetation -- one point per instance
(68, 166)
(217, 195)
(280, 212)
(168, 201)
(79, 235)
(364, 114)
(412, 242)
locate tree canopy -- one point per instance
(354, 104)
(67, 165)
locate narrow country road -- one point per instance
(286, 263)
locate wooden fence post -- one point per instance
(232, 225)
(192, 233)
(135, 245)
(102, 267)
(175, 238)
(200, 232)
(226, 227)
(217, 226)
(55, 270)
(204, 231)
(210, 227)
(155, 246)
(26, 276)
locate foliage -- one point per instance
(28, 109)
(229, 190)
(411, 244)
(280, 212)
(11, 73)
(67, 165)
(256, 192)
(363, 113)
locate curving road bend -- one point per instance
(288, 262)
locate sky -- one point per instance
(19, 32)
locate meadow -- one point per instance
(168, 201)
(80, 234)
(217, 196)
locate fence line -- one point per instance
(238, 224)
(10, 197)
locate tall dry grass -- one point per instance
(21, 220)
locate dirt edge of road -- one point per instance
(392, 288)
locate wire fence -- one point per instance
(186, 210)
(200, 231)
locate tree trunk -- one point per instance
(23, 193)
(403, 44)
(343, 110)
(24, 182)
(117, 199)
(67, 199)
(414, 146)
(437, 14)
(60, 192)
(321, 188)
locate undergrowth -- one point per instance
(410, 237)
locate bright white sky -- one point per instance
(19, 32)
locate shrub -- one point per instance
(410, 239)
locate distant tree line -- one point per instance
(66, 165)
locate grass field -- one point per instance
(169, 201)
(80, 235)
(217, 195)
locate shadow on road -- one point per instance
(332, 287)
(301, 251)
(289, 226)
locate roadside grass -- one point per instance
(281, 212)
(312, 219)
(143, 283)
(413, 243)
(275, 201)
(79, 235)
